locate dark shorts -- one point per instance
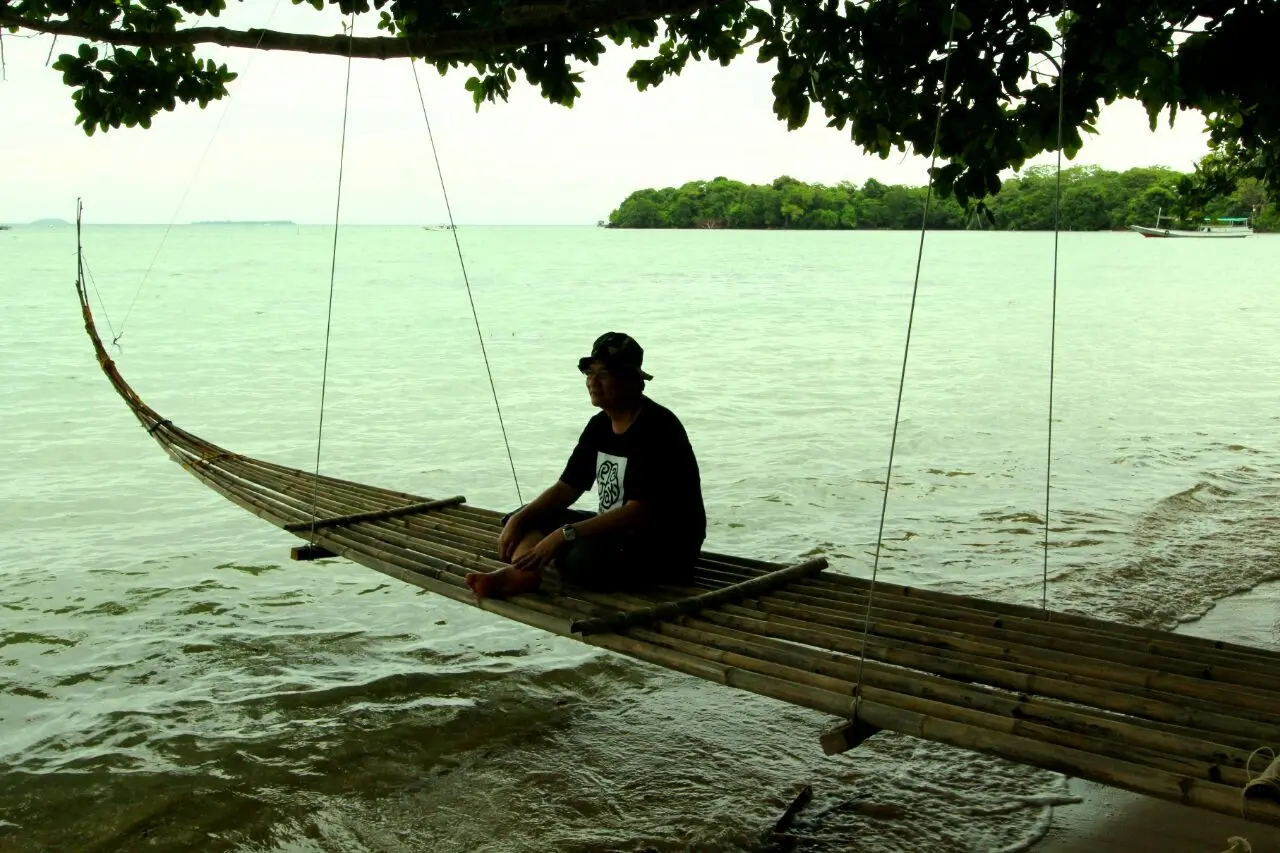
(617, 562)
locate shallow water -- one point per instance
(172, 681)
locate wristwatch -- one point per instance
(568, 533)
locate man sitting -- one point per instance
(651, 522)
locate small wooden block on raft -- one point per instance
(846, 736)
(310, 552)
(668, 609)
(1266, 785)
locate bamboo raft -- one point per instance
(1170, 716)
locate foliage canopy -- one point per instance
(1093, 199)
(875, 68)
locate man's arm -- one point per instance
(559, 495)
(630, 516)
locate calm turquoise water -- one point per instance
(171, 681)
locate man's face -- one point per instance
(604, 387)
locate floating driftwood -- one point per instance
(1167, 715)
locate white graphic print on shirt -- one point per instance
(611, 472)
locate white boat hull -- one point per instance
(1212, 234)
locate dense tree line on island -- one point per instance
(1093, 199)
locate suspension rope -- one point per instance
(84, 261)
(115, 336)
(906, 349)
(333, 271)
(453, 228)
(1053, 334)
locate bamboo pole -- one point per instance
(1227, 730)
(1045, 659)
(442, 520)
(889, 591)
(1075, 669)
(1156, 641)
(1181, 741)
(1213, 704)
(1010, 718)
(821, 588)
(377, 493)
(445, 579)
(435, 521)
(480, 521)
(1074, 762)
(668, 609)
(396, 534)
(832, 587)
(303, 496)
(375, 514)
(367, 496)
(454, 560)
(1185, 751)
(350, 542)
(1082, 646)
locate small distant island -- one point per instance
(244, 222)
(50, 223)
(1093, 199)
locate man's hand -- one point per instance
(537, 557)
(509, 538)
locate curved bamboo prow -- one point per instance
(150, 419)
(158, 427)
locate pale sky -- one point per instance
(275, 155)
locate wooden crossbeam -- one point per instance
(376, 514)
(667, 609)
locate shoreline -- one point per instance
(1110, 820)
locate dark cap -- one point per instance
(616, 351)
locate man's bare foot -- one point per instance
(503, 582)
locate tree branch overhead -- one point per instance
(874, 67)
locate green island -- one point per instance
(1093, 199)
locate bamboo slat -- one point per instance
(668, 609)
(1041, 658)
(833, 588)
(1081, 644)
(374, 514)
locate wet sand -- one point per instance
(1110, 820)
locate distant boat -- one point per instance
(439, 227)
(1225, 226)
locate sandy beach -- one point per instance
(1112, 820)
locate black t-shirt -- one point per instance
(651, 462)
